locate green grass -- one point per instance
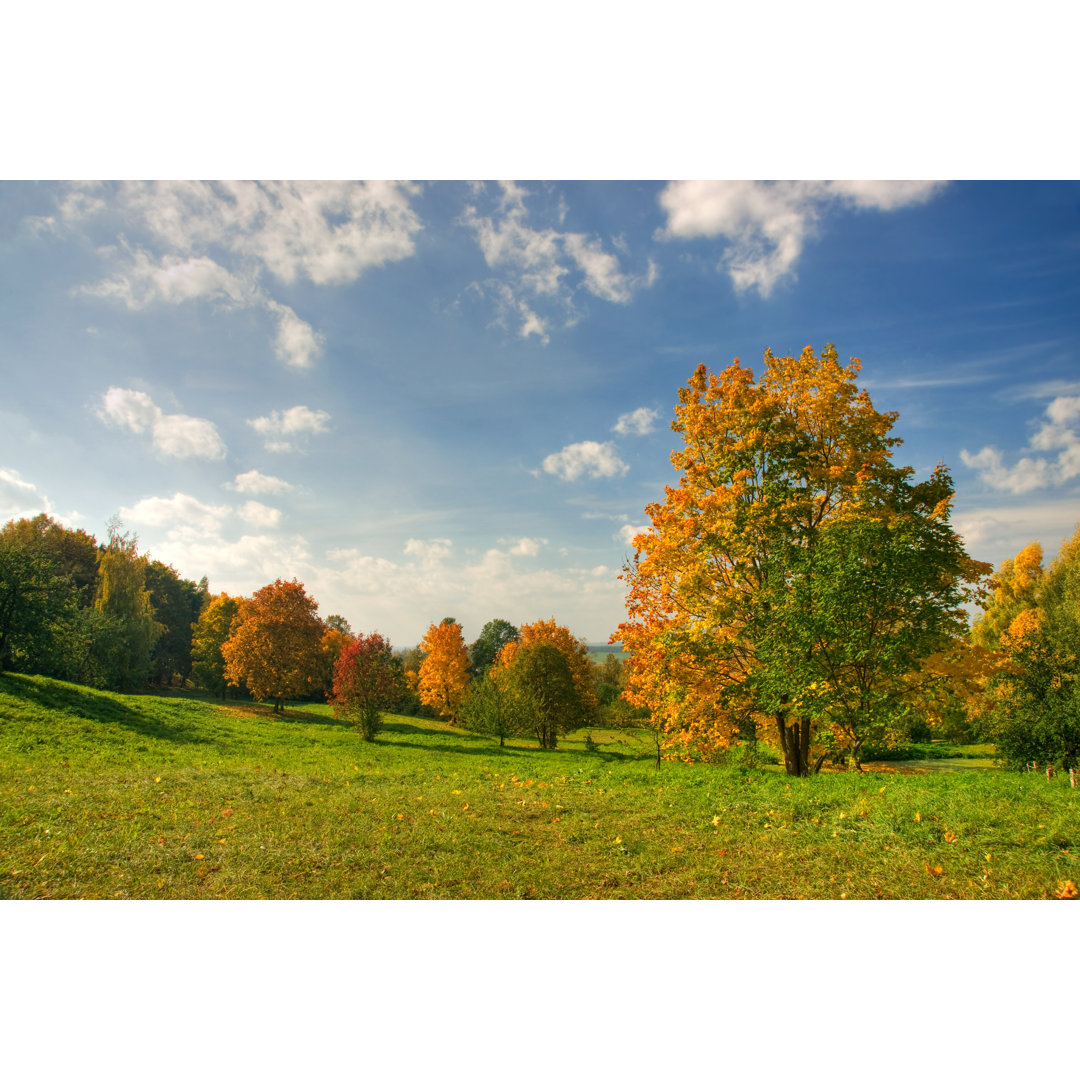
(107, 795)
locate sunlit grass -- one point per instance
(106, 795)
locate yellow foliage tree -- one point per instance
(795, 577)
(444, 672)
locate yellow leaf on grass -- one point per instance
(934, 871)
(918, 816)
(157, 779)
(1067, 890)
(200, 856)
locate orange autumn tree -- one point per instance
(548, 632)
(444, 672)
(795, 578)
(276, 648)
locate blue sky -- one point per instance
(431, 399)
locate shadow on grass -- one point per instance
(93, 705)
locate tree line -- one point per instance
(107, 616)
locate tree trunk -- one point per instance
(793, 741)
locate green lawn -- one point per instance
(107, 795)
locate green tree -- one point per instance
(33, 600)
(122, 595)
(494, 635)
(487, 706)
(213, 628)
(544, 696)
(176, 604)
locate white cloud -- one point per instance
(173, 434)
(627, 533)
(260, 516)
(639, 422)
(19, 498)
(179, 510)
(429, 552)
(283, 431)
(766, 224)
(591, 459)
(525, 546)
(296, 342)
(173, 279)
(544, 265)
(257, 483)
(326, 232)
(401, 598)
(1060, 431)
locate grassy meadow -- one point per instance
(137, 796)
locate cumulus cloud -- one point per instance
(627, 533)
(257, 483)
(284, 431)
(326, 232)
(401, 597)
(592, 459)
(173, 434)
(543, 265)
(1059, 431)
(639, 422)
(766, 224)
(177, 510)
(527, 546)
(260, 516)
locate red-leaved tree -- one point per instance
(367, 679)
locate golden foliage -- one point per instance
(444, 673)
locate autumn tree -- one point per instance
(444, 673)
(209, 634)
(330, 648)
(1035, 692)
(275, 649)
(367, 680)
(762, 595)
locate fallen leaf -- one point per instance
(934, 871)
(200, 856)
(1067, 890)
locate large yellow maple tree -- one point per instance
(795, 576)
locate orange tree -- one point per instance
(795, 578)
(276, 648)
(444, 673)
